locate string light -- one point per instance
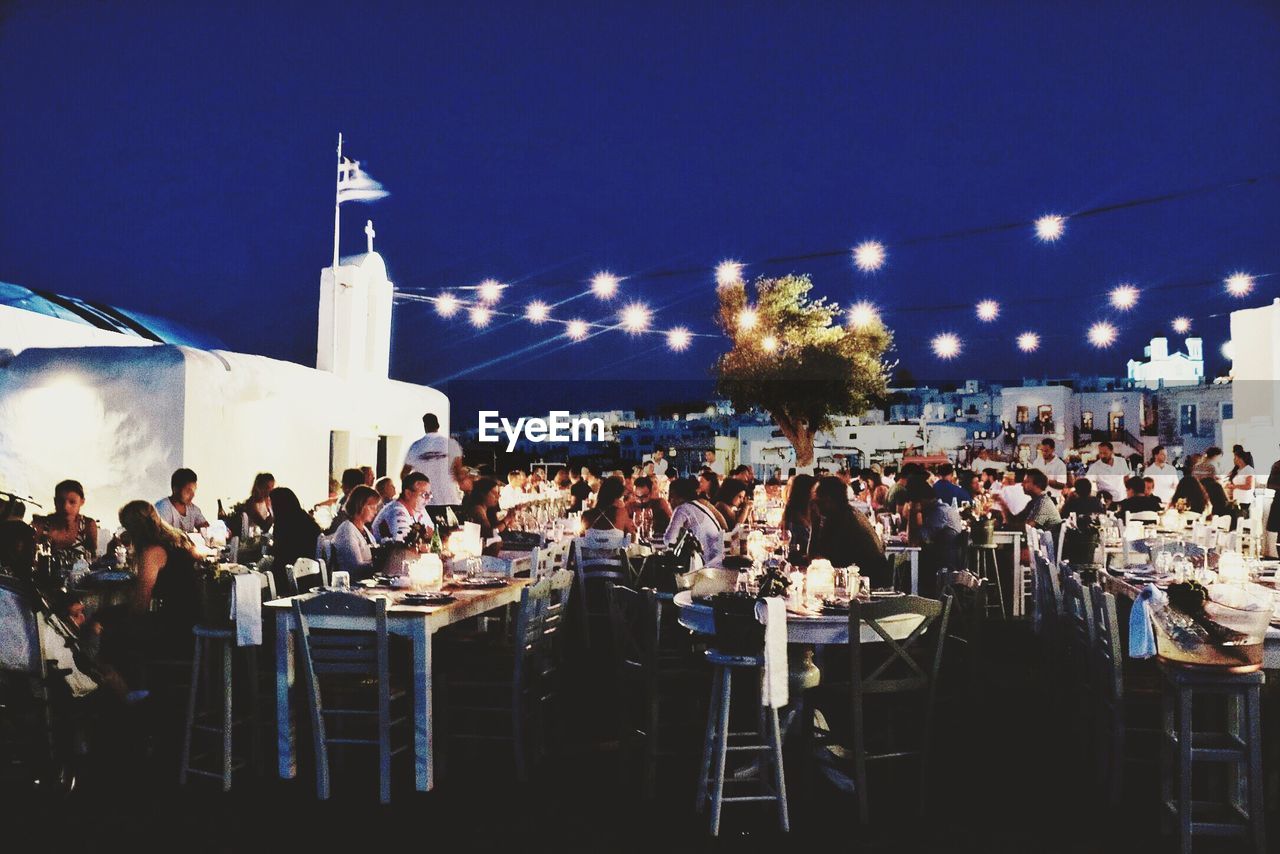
(728, 273)
(946, 346)
(1102, 334)
(988, 310)
(1124, 297)
(747, 319)
(1182, 325)
(576, 329)
(490, 291)
(869, 256)
(1239, 284)
(863, 314)
(635, 317)
(769, 344)
(679, 339)
(537, 311)
(604, 284)
(1028, 342)
(1050, 227)
(447, 305)
(480, 316)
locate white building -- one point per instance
(1255, 372)
(100, 396)
(1164, 368)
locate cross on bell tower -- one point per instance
(369, 233)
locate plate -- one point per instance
(886, 594)
(481, 582)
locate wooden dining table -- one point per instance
(417, 623)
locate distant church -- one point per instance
(118, 400)
(1163, 368)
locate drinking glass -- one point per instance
(340, 580)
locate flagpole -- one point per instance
(337, 219)
(333, 301)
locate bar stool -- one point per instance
(214, 644)
(766, 740)
(982, 558)
(1240, 748)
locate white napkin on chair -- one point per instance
(1142, 639)
(772, 613)
(246, 608)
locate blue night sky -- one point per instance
(179, 159)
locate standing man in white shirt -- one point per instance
(1108, 472)
(660, 463)
(1163, 475)
(1053, 467)
(710, 462)
(439, 457)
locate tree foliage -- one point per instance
(798, 362)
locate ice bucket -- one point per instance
(1186, 641)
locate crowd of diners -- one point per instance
(835, 515)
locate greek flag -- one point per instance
(354, 185)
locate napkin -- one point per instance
(772, 613)
(246, 608)
(1142, 639)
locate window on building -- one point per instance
(1086, 420)
(1187, 419)
(1022, 415)
(1228, 411)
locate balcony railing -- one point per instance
(1034, 428)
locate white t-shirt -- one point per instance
(703, 525)
(1166, 480)
(1240, 495)
(189, 524)
(1055, 469)
(394, 520)
(433, 455)
(715, 465)
(660, 467)
(509, 496)
(1109, 476)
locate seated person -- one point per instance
(480, 505)
(846, 537)
(294, 536)
(178, 510)
(936, 527)
(610, 512)
(1082, 501)
(396, 518)
(734, 503)
(645, 497)
(1217, 496)
(353, 542)
(257, 507)
(70, 534)
(1041, 511)
(946, 487)
(691, 511)
(1136, 498)
(1191, 491)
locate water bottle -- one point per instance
(122, 556)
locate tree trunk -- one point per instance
(800, 435)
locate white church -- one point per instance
(118, 400)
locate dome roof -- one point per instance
(105, 317)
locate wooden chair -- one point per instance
(633, 619)
(350, 659)
(599, 559)
(910, 668)
(1077, 639)
(550, 559)
(517, 690)
(305, 575)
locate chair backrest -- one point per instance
(911, 665)
(531, 619)
(558, 603)
(550, 559)
(633, 618)
(306, 574)
(329, 651)
(20, 648)
(1146, 517)
(600, 557)
(1046, 593)
(1077, 615)
(268, 580)
(324, 548)
(1105, 651)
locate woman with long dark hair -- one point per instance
(799, 516)
(258, 505)
(1190, 489)
(610, 512)
(480, 505)
(295, 533)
